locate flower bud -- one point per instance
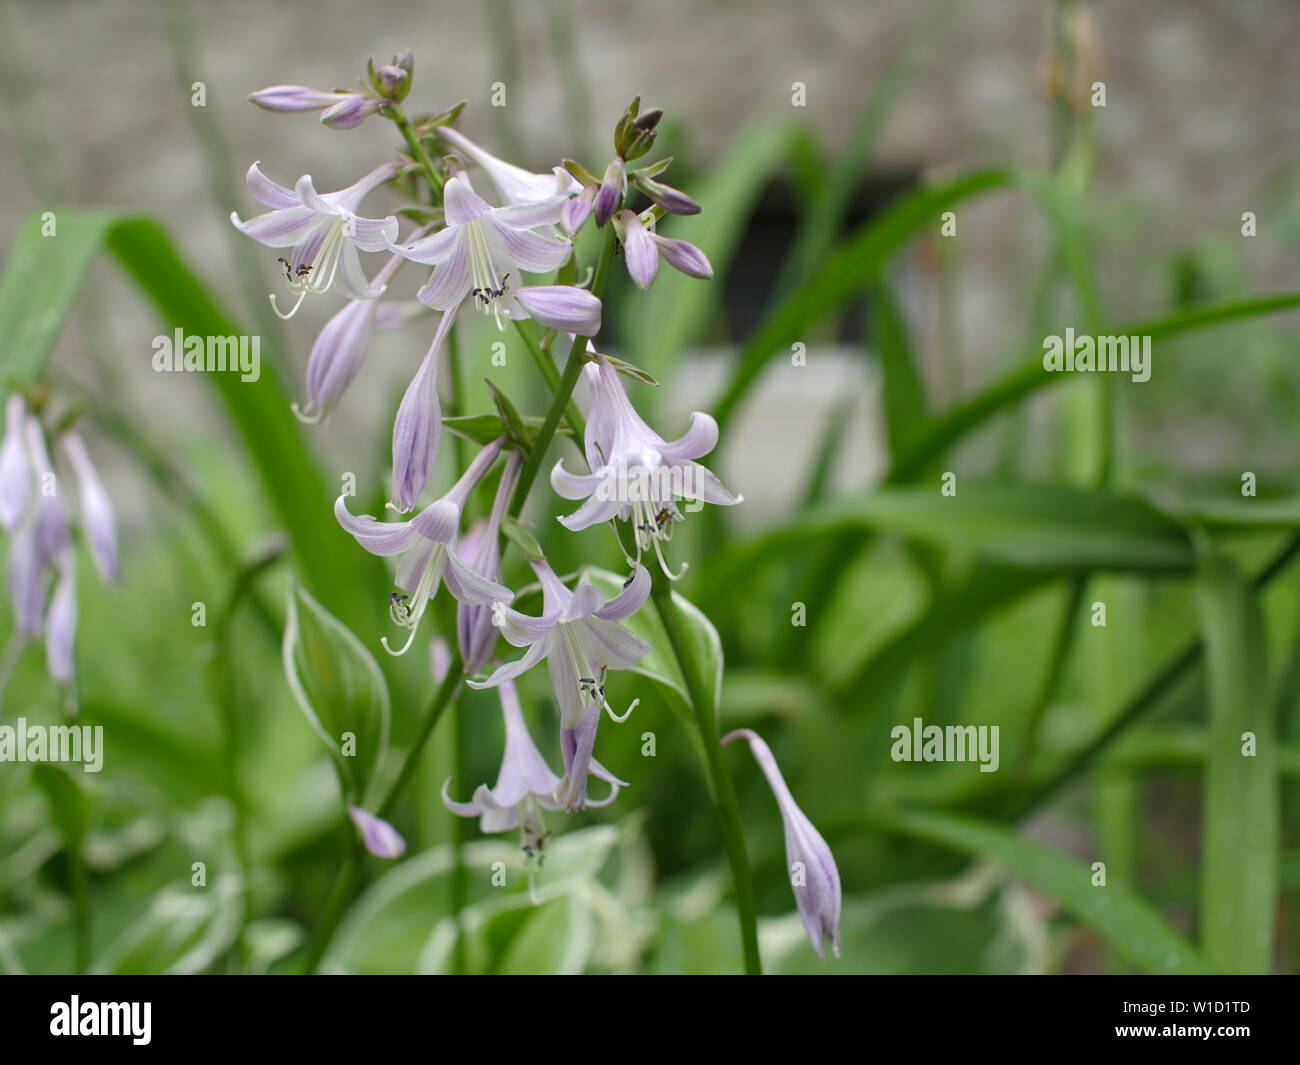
(290, 98)
(350, 111)
(380, 838)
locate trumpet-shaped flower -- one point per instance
(813, 874)
(643, 248)
(475, 632)
(15, 465)
(636, 474)
(427, 544)
(514, 184)
(525, 784)
(482, 252)
(324, 232)
(97, 518)
(579, 636)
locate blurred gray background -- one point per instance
(1200, 124)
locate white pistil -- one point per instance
(318, 275)
(419, 600)
(489, 289)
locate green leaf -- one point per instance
(1124, 919)
(1030, 376)
(69, 808)
(336, 682)
(40, 283)
(673, 314)
(903, 388)
(855, 264)
(1240, 843)
(184, 932)
(1055, 528)
(484, 428)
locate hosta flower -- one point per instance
(340, 347)
(612, 189)
(525, 784)
(41, 544)
(427, 544)
(417, 429)
(579, 636)
(293, 98)
(636, 474)
(61, 623)
(481, 256)
(97, 520)
(514, 184)
(476, 635)
(813, 875)
(323, 231)
(643, 248)
(379, 837)
(15, 465)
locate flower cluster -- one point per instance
(40, 524)
(499, 240)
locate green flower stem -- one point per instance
(552, 375)
(418, 153)
(698, 687)
(335, 906)
(442, 698)
(564, 390)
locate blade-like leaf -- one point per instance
(1123, 918)
(1239, 852)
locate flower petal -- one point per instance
(610, 644)
(461, 203)
(534, 252)
(268, 192)
(699, 439)
(564, 308)
(282, 228)
(684, 256)
(639, 250)
(469, 586)
(573, 485)
(630, 599)
(377, 537)
(511, 670)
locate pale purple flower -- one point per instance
(61, 624)
(417, 429)
(340, 347)
(380, 838)
(612, 189)
(672, 200)
(475, 633)
(40, 543)
(15, 465)
(292, 98)
(97, 520)
(483, 251)
(579, 636)
(813, 875)
(514, 184)
(427, 544)
(353, 109)
(643, 248)
(636, 474)
(525, 784)
(323, 231)
(578, 209)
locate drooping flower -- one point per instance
(643, 248)
(323, 231)
(340, 347)
(636, 474)
(379, 837)
(525, 784)
(41, 542)
(475, 632)
(813, 874)
(417, 429)
(514, 184)
(15, 465)
(482, 252)
(427, 544)
(579, 636)
(97, 518)
(61, 623)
